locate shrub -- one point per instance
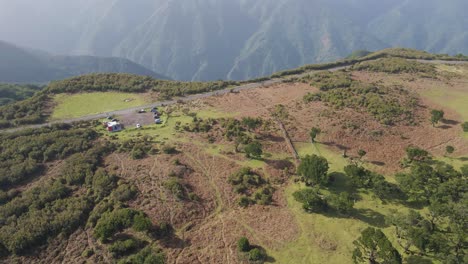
(124, 192)
(257, 255)
(465, 126)
(120, 248)
(87, 253)
(253, 150)
(449, 149)
(141, 223)
(245, 201)
(112, 222)
(145, 256)
(243, 244)
(169, 150)
(175, 187)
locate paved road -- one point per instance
(198, 96)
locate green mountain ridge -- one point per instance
(19, 65)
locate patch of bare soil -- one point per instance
(257, 102)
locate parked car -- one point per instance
(158, 121)
(141, 111)
(138, 126)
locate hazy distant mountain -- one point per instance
(233, 39)
(21, 65)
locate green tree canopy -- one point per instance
(253, 150)
(314, 169)
(374, 247)
(314, 132)
(436, 116)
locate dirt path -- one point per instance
(201, 96)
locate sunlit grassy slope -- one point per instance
(76, 105)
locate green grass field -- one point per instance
(76, 105)
(329, 238)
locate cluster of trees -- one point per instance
(83, 192)
(315, 202)
(29, 111)
(45, 211)
(133, 83)
(138, 147)
(23, 153)
(374, 247)
(330, 80)
(395, 65)
(314, 172)
(119, 219)
(252, 253)
(200, 125)
(389, 105)
(238, 131)
(442, 232)
(361, 177)
(254, 188)
(10, 93)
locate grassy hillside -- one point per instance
(221, 171)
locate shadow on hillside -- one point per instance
(273, 138)
(377, 163)
(370, 217)
(450, 122)
(280, 164)
(444, 127)
(463, 159)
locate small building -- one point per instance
(114, 126)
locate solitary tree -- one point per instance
(314, 169)
(373, 247)
(449, 149)
(436, 116)
(314, 133)
(253, 150)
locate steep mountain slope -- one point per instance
(234, 39)
(435, 26)
(20, 65)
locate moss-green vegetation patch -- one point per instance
(76, 105)
(120, 82)
(395, 65)
(389, 105)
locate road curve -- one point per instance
(199, 96)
